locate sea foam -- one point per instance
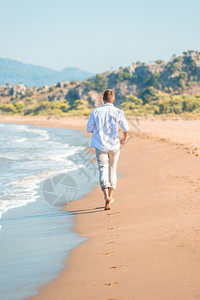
(28, 156)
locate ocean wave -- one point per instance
(41, 134)
(47, 154)
(24, 190)
(28, 156)
(20, 140)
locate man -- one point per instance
(103, 123)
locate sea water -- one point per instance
(40, 170)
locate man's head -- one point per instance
(108, 96)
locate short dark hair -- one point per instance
(108, 95)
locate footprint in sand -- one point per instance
(115, 267)
(109, 253)
(114, 235)
(111, 228)
(114, 213)
(111, 283)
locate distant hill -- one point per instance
(171, 88)
(15, 72)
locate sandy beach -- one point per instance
(148, 245)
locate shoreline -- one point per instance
(76, 123)
(147, 246)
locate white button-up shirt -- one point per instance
(103, 123)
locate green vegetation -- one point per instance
(101, 82)
(10, 108)
(132, 105)
(162, 104)
(150, 103)
(178, 59)
(191, 64)
(172, 68)
(80, 107)
(61, 108)
(51, 89)
(74, 82)
(159, 61)
(123, 75)
(139, 63)
(48, 108)
(153, 81)
(183, 75)
(148, 94)
(98, 83)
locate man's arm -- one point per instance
(91, 123)
(123, 139)
(124, 126)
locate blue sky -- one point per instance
(97, 35)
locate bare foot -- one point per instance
(108, 206)
(112, 200)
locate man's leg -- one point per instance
(113, 159)
(106, 193)
(111, 191)
(107, 198)
(102, 159)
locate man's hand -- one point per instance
(123, 139)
